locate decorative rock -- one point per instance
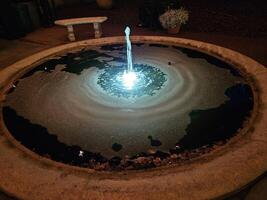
(157, 161)
(125, 164)
(161, 154)
(142, 160)
(151, 151)
(103, 166)
(174, 156)
(142, 163)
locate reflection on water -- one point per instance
(74, 103)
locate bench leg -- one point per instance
(98, 30)
(71, 35)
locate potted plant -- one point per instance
(105, 4)
(172, 19)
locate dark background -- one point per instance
(234, 17)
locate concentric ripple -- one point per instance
(148, 80)
(79, 97)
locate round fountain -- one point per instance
(140, 114)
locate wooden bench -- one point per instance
(96, 21)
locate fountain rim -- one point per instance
(237, 151)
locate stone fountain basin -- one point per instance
(26, 175)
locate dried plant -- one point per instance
(171, 18)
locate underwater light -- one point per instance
(129, 79)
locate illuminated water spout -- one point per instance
(129, 79)
(129, 50)
(129, 76)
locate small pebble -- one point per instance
(174, 156)
(151, 151)
(81, 153)
(157, 161)
(141, 160)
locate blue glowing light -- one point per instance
(129, 79)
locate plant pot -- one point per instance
(105, 4)
(174, 30)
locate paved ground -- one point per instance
(252, 45)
